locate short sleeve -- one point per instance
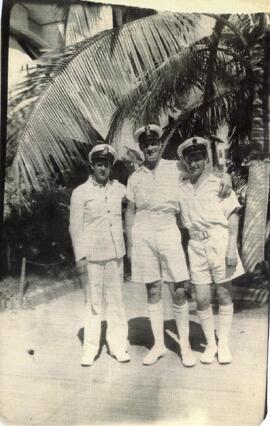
(130, 190)
(229, 204)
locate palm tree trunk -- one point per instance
(253, 251)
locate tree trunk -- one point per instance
(253, 251)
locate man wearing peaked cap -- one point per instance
(193, 145)
(147, 132)
(97, 237)
(154, 240)
(102, 150)
(213, 227)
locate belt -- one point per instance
(199, 235)
(144, 216)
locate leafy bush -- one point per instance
(36, 225)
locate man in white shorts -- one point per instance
(97, 237)
(154, 240)
(212, 223)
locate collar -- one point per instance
(208, 177)
(145, 169)
(94, 183)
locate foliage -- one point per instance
(147, 68)
(68, 96)
(137, 72)
(37, 229)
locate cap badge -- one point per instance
(105, 150)
(194, 142)
(147, 130)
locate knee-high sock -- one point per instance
(182, 322)
(156, 318)
(225, 323)
(207, 322)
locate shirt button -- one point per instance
(110, 225)
(109, 211)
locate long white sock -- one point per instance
(207, 322)
(182, 322)
(225, 323)
(156, 318)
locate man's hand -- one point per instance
(231, 257)
(129, 253)
(225, 187)
(81, 265)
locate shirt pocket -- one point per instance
(210, 205)
(93, 209)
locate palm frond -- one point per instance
(199, 118)
(166, 88)
(161, 90)
(86, 20)
(79, 88)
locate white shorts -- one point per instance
(207, 260)
(158, 254)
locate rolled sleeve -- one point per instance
(230, 204)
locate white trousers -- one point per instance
(104, 290)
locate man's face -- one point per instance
(196, 162)
(101, 170)
(151, 149)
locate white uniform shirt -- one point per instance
(155, 193)
(202, 208)
(96, 220)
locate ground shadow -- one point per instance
(102, 341)
(140, 334)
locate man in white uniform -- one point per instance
(97, 236)
(213, 227)
(154, 240)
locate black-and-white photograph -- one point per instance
(135, 231)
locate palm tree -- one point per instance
(231, 80)
(257, 200)
(68, 97)
(152, 66)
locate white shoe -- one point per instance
(154, 355)
(208, 355)
(121, 356)
(88, 358)
(224, 354)
(188, 357)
